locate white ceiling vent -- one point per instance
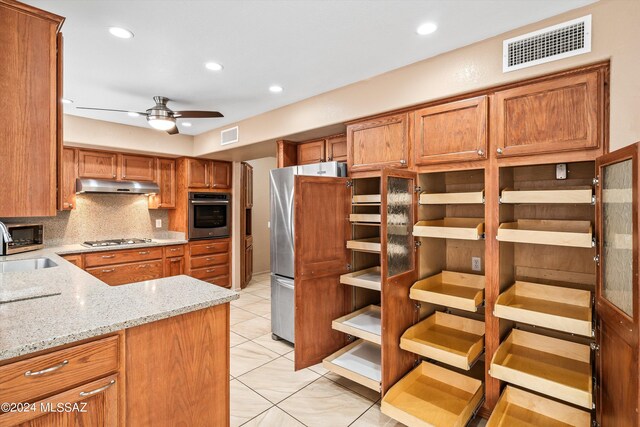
(548, 44)
(229, 136)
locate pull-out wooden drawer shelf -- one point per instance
(451, 228)
(369, 278)
(369, 199)
(454, 340)
(363, 323)
(456, 290)
(562, 309)
(365, 245)
(564, 196)
(550, 366)
(472, 197)
(432, 396)
(373, 218)
(517, 408)
(359, 362)
(577, 234)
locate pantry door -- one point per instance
(322, 228)
(617, 294)
(399, 271)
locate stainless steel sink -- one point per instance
(30, 264)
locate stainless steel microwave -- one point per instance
(22, 238)
(209, 215)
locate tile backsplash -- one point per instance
(101, 216)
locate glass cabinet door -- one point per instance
(399, 214)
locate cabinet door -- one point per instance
(76, 260)
(617, 330)
(97, 164)
(137, 168)
(221, 175)
(561, 114)
(321, 212)
(311, 152)
(451, 132)
(173, 266)
(198, 173)
(120, 274)
(378, 143)
(166, 179)
(337, 148)
(69, 173)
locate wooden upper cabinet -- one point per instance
(137, 168)
(198, 173)
(166, 180)
(97, 164)
(221, 175)
(378, 143)
(30, 103)
(456, 131)
(559, 114)
(69, 172)
(336, 148)
(311, 152)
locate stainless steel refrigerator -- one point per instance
(282, 241)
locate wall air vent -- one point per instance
(229, 136)
(548, 44)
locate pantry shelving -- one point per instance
(370, 244)
(578, 234)
(579, 195)
(461, 198)
(452, 289)
(363, 323)
(359, 362)
(450, 228)
(369, 278)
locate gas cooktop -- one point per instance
(115, 242)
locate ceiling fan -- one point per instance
(162, 117)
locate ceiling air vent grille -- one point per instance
(548, 44)
(229, 136)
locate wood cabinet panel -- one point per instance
(120, 274)
(166, 180)
(311, 152)
(76, 260)
(209, 260)
(137, 168)
(69, 172)
(220, 175)
(36, 377)
(29, 125)
(121, 256)
(378, 143)
(174, 266)
(97, 164)
(336, 148)
(560, 114)
(456, 131)
(220, 281)
(198, 173)
(208, 247)
(173, 251)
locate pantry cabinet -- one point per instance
(377, 143)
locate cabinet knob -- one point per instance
(143, 253)
(111, 270)
(499, 150)
(480, 153)
(114, 175)
(403, 162)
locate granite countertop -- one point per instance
(80, 249)
(83, 306)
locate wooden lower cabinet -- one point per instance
(210, 261)
(173, 266)
(121, 274)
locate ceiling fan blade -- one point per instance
(109, 109)
(196, 114)
(173, 131)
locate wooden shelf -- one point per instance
(454, 340)
(472, 197)
(519, 408)
(568, 196)
(456, 290)
(364, 218)
(433, 396)
(451, 228)
(363, 323)
(577, 234)
(373, 199)
(562, 309)
(359, 362)
(365, 245)
(550, 366)
(368, 279)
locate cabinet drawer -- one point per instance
(210, 260)
(128, 273)
(119, 257)
(210, 272)
(34, 378)
(171, 251)
(220, 281)
(209, 247)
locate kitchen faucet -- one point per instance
(5, 233)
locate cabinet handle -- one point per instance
(175, 259)
(210, 259)
(143, 253)
(143, 266)
(108, 256)
(480, 153)
(98, 390)
(403, 162)
(211, 270)
(108, 271)
(47, 370)
(173, 249)
(499, 150)
(210, 247)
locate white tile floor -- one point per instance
(267, 392)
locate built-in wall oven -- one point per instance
(209, 215)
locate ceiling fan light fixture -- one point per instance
(162, 123)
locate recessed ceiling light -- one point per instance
(275, 89)
(213, 66)
(119, 32)
(426, 28)
(186, 124)
(67, 101)
(133, 114)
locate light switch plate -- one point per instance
(561, 171)
(158, 223)
(476, 263)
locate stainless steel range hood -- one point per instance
(115, 187)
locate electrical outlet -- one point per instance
(158, 223)
(561, 171)
(476, 263)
